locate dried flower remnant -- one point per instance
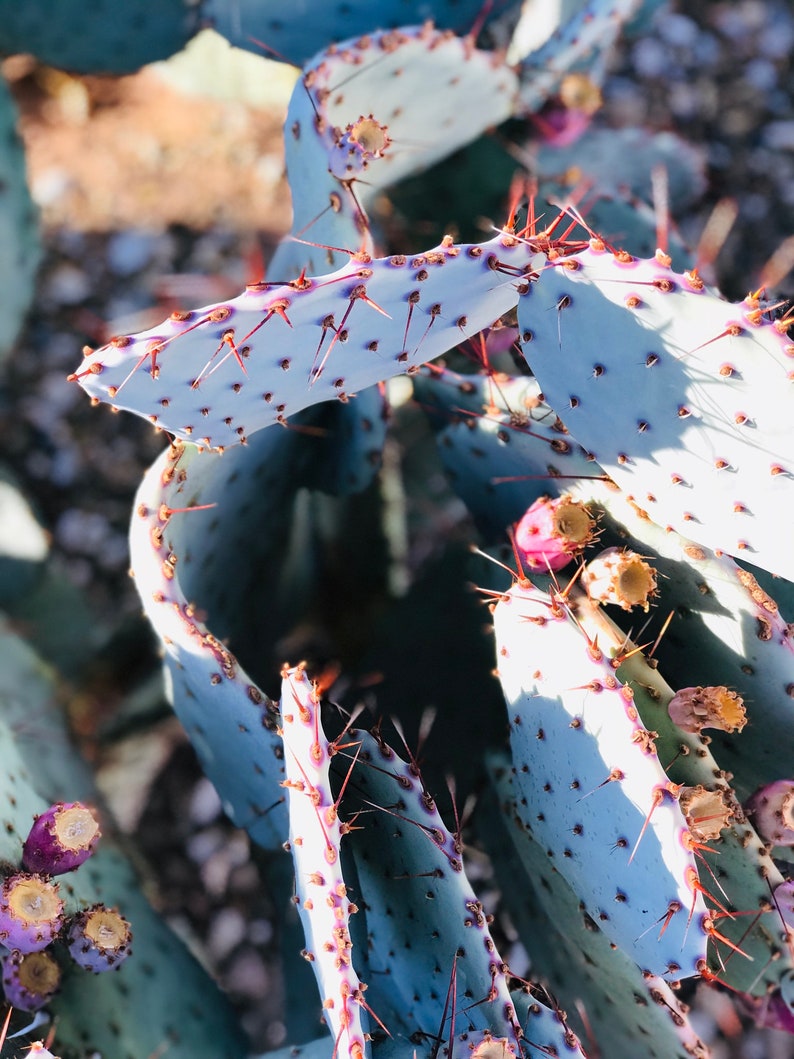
(694, 709)
(622, 577)
(772, 810)
(552, 531)
(707, 812)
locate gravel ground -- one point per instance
(130, 233)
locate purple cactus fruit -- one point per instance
(61, 839)
(620, 576)
(694, 709)
(783, 897)
(772, 810)
(552, 531)
(100, 939)
(31, 912)
(707, 812)
(30, 980)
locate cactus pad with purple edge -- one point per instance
(351, 129)
(223, 711)
(315, 832)
(682, 397)
(591, 787)
(405, 857)
(214, 375)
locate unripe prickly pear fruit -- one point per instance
(706, 812)
(552, 531)
(61, 839)
(100, 939)
(694, 709)
(620, 576)
(30, 980)
(772, 810)
(31, 912)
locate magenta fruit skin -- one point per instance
(29, 933)
(772, 811)
(540, 545)
(87, 953)
(44, 851)
(18, 995)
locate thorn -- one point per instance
(657, 799)
(658, 639)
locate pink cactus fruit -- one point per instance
(694, 709)
(61, 839)
(772, 810)
(31, 912)
(563, 119)
(30, 980)
(100, 939)
(707, 812)
(620, 576)
(552, 531)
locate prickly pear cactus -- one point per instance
(699, 417)
(591, 786)
(350, 131)
(215, 375)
